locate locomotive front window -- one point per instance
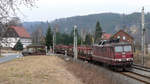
(127, 48)
(118, 48)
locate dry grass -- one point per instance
(49, 70)
(36, 70)
(88, 74)
(1, 56)
(147, 60)
(138, 58)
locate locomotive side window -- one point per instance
(127, 48)
(118, 48)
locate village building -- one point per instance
(123, 36)
(13, 35)
(106, 36)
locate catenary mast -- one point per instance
(75, 43)
(143, 36)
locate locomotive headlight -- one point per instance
(128, 59)
(119, 59)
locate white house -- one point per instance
(14, 34)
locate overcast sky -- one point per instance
(55, 9)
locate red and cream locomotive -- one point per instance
(115, 54)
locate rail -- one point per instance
(138, 77)
(141, 67)
(139, 72)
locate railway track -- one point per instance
(141, 67)
(137, 77)
(139, 73)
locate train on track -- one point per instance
(117, 55)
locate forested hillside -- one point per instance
(110, 22)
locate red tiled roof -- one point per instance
(106, 36)
(21, 31)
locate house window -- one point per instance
(6, 45)
(124, 38)
(118, 37)
(7, 34)
(14, 35)
(10, 40)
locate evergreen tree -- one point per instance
(72, 37)
(88, 39)
(98, 32)
(58, 38)
(67, 39)
(49, 38)
(63, 38)
(18, 46)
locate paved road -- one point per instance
(10, 56)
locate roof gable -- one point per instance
(21, 31)
(124, 33)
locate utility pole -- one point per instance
(0, 49)
(143, 36)
(75, 43)
(54, 40)
(81, 33)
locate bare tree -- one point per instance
(8, 9)
(37, 36)
(15, 21)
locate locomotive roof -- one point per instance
(113, 44)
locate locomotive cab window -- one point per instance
(127, 48)
(118, 48)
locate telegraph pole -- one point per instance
(143, 36)
(0, 48)
(81, 33)
(54, 40)
(75, 43)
